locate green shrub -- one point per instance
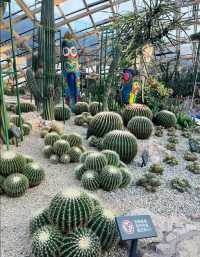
(79, 171)
(126, 177)
(180, 184)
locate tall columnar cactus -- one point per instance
(82, 242)
(103, 225)
(51, 138)
(81, 107)
(46, 242)
(95, 107)
(111, 178)
(95, 161)
(141, 127)
(39, 219)
(70, 209)
(34, 173)
(104, 122)
(136, 110)
(122, 142)
(90, 180)
(166, 119)
(62, 113)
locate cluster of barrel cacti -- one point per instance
(83, 119)
(74, 224)
(26, 126)
(18, 173)
(25, 107)
(53, 126)
(102, 170)
(64, 148)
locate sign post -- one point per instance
(134, 228)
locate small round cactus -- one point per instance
(16, 120)
(39, 219)
(26, 129)
(11, 162)
(26, 107)
(111, 178)
(79, 171)
(104, 122)
(90, 180)
(16, 185)
(171, 160)
(159, 132)
(44, 132)
(46, 242)
(149, 181)
(81, 107)
(171, 147)
(136, 110)
(194, 167)
(141, 127)
(65, 159)
(64, 137)
(27, 158)
(180, 184)
(61, 147)
(126, 177)
(104, 226)
(84, 243)
(79, 120)
(34, 173)
(95, 107)
(112, 157)
(85, 155)
(173, 140)
(122, 142)
(75, 154)
(166, 119)
(62, 113)
(70, 209)
(95, 161)
(93, 141)
(156, 168)
(51, 138)
(189, 156)
(48, 151)
(54, 159)
(75, 139)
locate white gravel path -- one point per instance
(16, 212)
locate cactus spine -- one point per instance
(38, 220)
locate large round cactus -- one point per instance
(90, 180)
(126, 177)
(104, 225)
(51, 138)
(141, 127)
(46, 242)
(166, 119)
(16, 185)
(85, 155)
(81, 107)
(34, 173)
(39, 219)
(104, 122)
(79, 171)
(95, 161)
(75, 154)
(26, 107)
(82, 242)
(111, 178)
(61, 147)
(112, 157)
(48, 151)
(62, 113)
(11, 162)
(95, 107)
(75, 139)
(136, 110)
(70, 209)
(122, 142)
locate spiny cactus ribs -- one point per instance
(141, 127)
(180, 184)
(95, 161)
(16, 120)
(39, 220)
(61, 147)
(51, 138)
(81, 107)
(26, 107)
(95, 107)
(75, 154)
(34, 173)
(166, 119)
(112, 157)
(126, 177)
(149, 181)
(75, 139)
(62, 113)
(90, 180)
(111, 178)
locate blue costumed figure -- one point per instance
(71, 70)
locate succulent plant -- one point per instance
(194, 167)
(79, 120)
(104, 226)
(11, 162)
(186, 134)
(85, 155)
(171, 133)
(90, 180)
(141, 127)
(44, 132)
(126, 177)
(34, 173)
(57, 127)
(173, 140)
(46, 242)
(84, 243)
(95, 161)
(171, 147)
(54, 159)
(112, 157)
(51, 138)
(110, 178)
(122, 142)
(75, 154)
(16, 185)
(104, 122)
(136, 110)
(61, 147)
(16, 120)
(122, 165)
(81, 107)
(48, 151)
(79, 171)
(159, 132)
(65, 159)
(70, 209)
(180, 184)
(166, 119)
(189, 156)
(2, 178)
(93, 141)
(149, 181)
(65, 137)
(170, 160)
(26, 129)
(27, 158)
(83, 148)
(95, 200)
(26, 107)
(194, 145)
(95, 107)
(39, 219)
(156, 168)
(62, 113)
(75, 139)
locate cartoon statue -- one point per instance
(71, 70)
(130, 88)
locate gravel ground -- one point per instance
(15, 213)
